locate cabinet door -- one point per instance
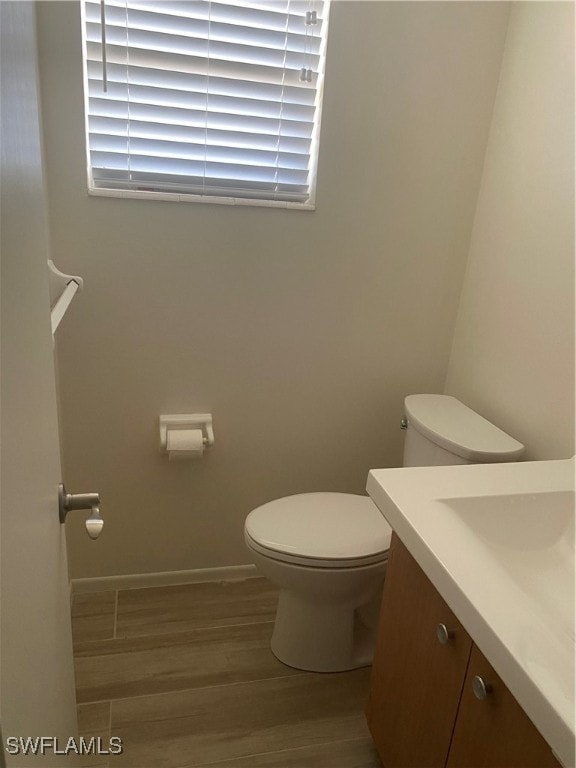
(495, 731)
(416, 680)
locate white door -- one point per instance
(36, 666)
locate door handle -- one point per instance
(70, 501)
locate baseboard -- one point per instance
(163, 578)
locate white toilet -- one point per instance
(327, 551)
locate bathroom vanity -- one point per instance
(474, 664)
(423, 677)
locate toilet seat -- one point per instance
(320, 530)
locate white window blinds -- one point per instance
(206, 98)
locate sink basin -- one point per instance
(527, 522)
(530, 536)
(497, 542)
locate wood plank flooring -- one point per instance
(184, 675)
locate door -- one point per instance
(494, 729)
(417, 675)
(37, 678)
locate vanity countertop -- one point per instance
(497, 542)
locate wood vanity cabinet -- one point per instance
(495, 732)
(416, 681)
(422, 711)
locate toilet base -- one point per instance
(316, 637)
(326, 617)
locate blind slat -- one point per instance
(204, 97)
(121, 73)
(234, 105)
(273, 15)
(197, 169)
(118, 126)
(201, 118)
(178, 35)
(195, 63)
(199, 152)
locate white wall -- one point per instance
(37, 674)
(513, 353)
(300, 332)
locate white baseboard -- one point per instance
(163, 578)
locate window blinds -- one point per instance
(208, 98)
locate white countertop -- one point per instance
(497, 542)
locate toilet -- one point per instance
(327, 552)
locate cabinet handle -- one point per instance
(480, 688)
(444, 634)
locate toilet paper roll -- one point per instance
(184, 444)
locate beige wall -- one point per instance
(513, 353)
(300, 332)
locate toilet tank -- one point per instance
(440, 430)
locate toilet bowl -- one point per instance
(327, 552)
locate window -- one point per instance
(210, 100)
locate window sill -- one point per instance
(171, 196)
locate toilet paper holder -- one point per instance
(201, 421)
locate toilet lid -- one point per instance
(321, 526)
(453, 426)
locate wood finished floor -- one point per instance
(184, 675)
